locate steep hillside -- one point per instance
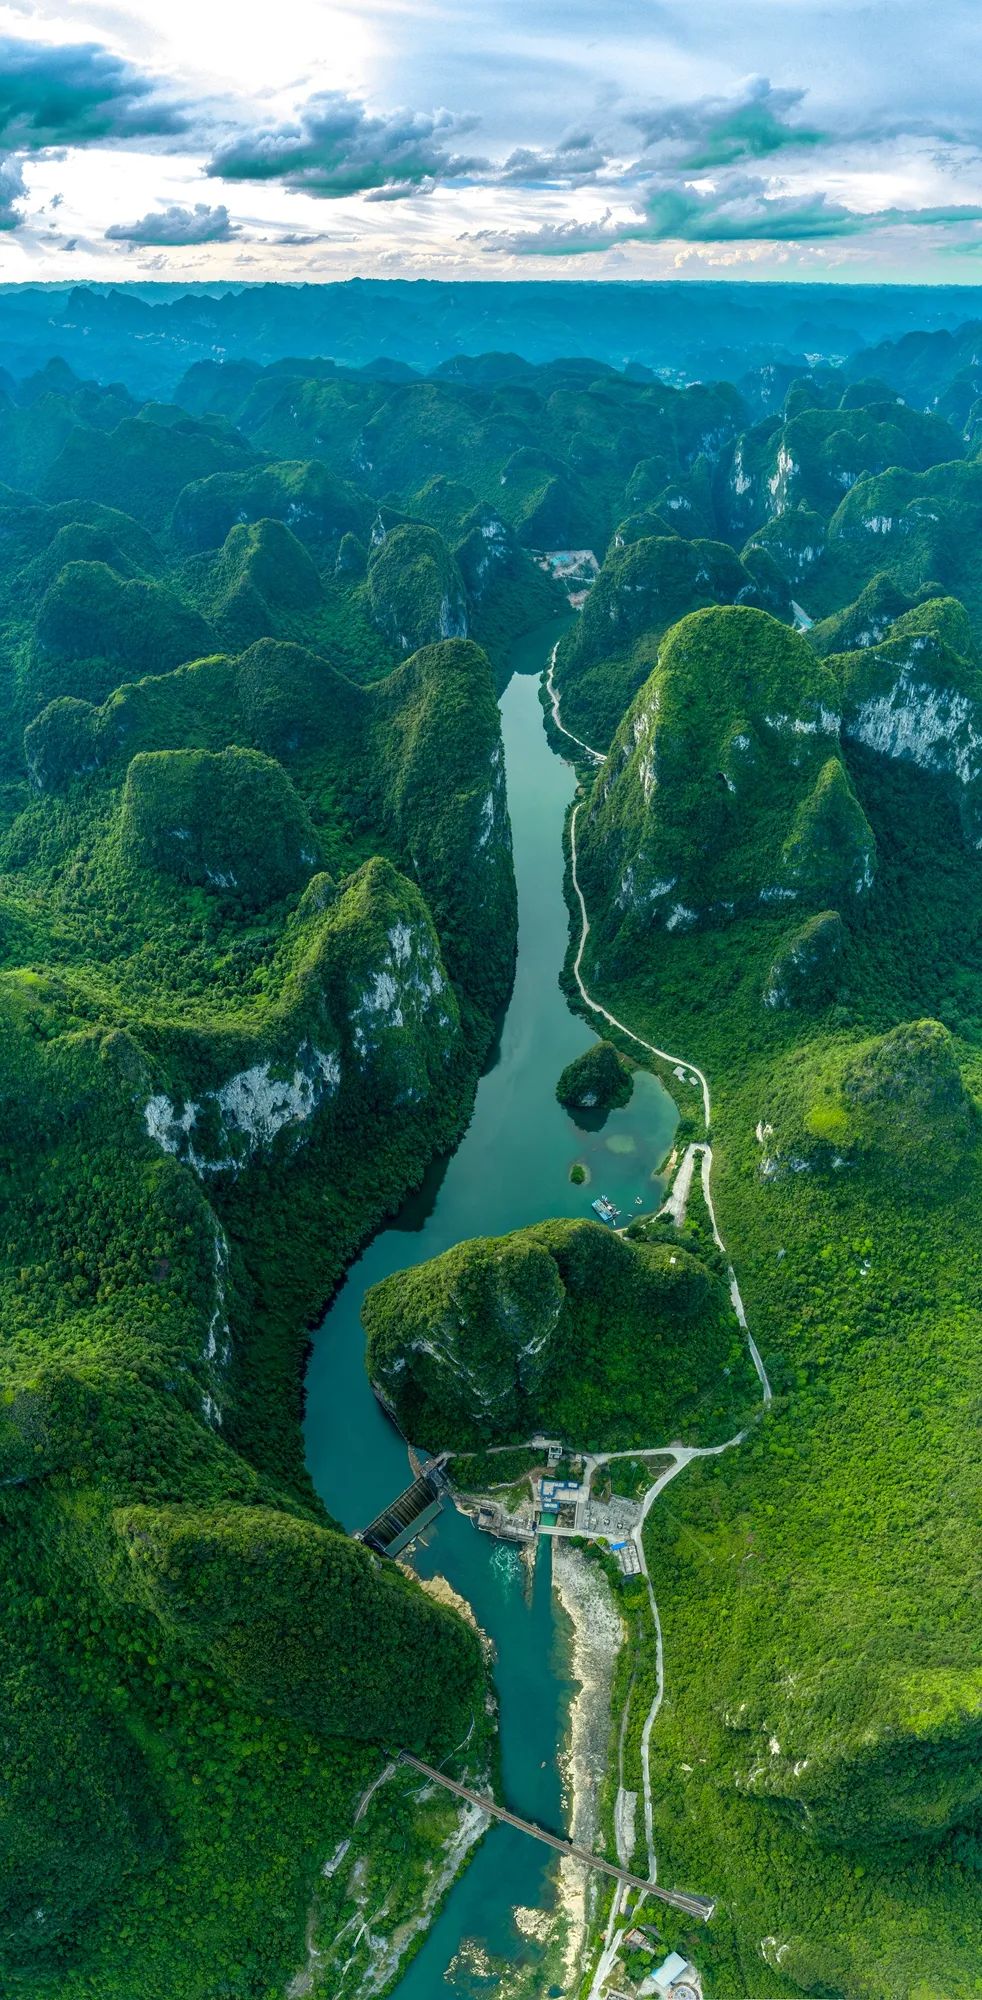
(566, 1324)
(256, 922)
(645, 585)
(724, 791)
(818, 1754)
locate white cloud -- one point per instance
(176, 226)
(568, 129)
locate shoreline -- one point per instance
(597, 1636)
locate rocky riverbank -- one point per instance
(598, 1632)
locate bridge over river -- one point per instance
(694, 1906)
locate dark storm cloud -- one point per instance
(77, 94)
(168, 227)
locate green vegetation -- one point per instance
(643, 588)
(917, 695)
(289, 1615)
(598, 1080)
(257, 917)
(805, 972)
(725, 790)
(415, 589)
(318, 507)
(817, 1754)
(231, 819)
(564, 1326)
(809, 454)
(91, 625)
(143, 465)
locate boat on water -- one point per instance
(604, 1207)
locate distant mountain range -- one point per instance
(146, 335)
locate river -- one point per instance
(510, 1169)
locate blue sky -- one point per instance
(532, 138)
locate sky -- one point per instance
(192, 140)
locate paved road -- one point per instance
(676, 1204)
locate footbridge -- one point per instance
(694, 1906)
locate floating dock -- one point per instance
(604, 1207)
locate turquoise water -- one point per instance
(510, 1169)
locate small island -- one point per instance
(598, 1080)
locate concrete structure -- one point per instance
(694, 1906)
(399, 1524)
(492, 1520)
(558, 1492)
(667, 1977)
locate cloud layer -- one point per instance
(176, 225)
(571, 131)
(12, 193)
(77, 94)
(338, 148)
(740, 209)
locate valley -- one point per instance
(444, 1027)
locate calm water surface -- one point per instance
(510, 1169)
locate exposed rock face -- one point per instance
(483, 1321)
(795, 541)
(415, 590)
(863, 623)
(370, 1014)
(317, 507)
(725, 789)
(437, 792)
(245, 1113)
(829, 850)
(921, 529)
(917, 696)
(644, 585)
(813, 455)
(445, 792)
(565, 1318)
(487, 550)
(400, 1004)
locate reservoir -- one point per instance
(510, 1169)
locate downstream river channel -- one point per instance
(510, 1169)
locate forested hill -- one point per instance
(257, 924)
(145, 334)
